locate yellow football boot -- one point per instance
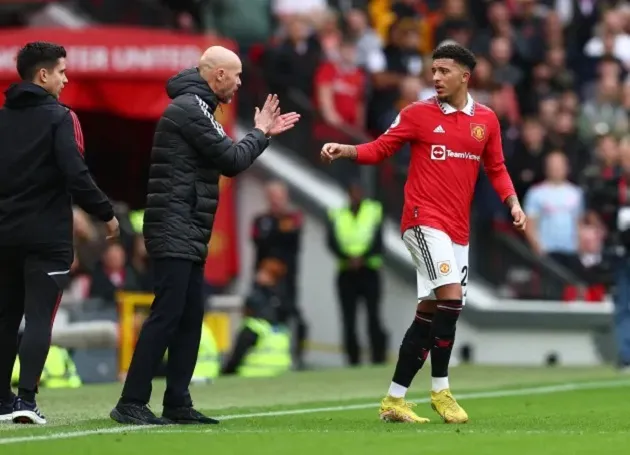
(399, 410)
(447, 407)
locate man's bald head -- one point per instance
(222, 69)
(217, 56)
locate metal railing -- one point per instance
(507, 263)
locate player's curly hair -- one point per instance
(458, 53)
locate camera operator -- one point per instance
(609, 197)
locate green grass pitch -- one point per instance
(517, 410)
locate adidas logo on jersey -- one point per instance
(439, 129)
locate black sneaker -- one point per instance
(187, 416)
(135, 414)
(27, 412)
(6, 409)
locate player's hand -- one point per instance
(283, 123)
(333, 151)
(266, 117)
(113, 229)
(520, 219)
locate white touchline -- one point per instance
(465, 396)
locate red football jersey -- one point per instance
(447, 148)
(347, 87)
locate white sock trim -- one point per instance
(438, 384)
(397, 391)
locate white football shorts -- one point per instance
(438, 260)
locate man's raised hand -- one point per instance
(265, 118)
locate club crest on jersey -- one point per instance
(444, 267)
(478, 131)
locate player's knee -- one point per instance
(451, 291)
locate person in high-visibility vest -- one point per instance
(263, 345)
(278, 231)
(136, 217)
(208, 365)
(355, 238)
(59, 372)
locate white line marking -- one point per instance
(466, 396)
(420, 429)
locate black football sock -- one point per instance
(443, 335)
(414, 349)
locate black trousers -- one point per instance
(352, 286)
(175, 323)
(32, 280)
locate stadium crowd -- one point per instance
(555, 72)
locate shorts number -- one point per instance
(464, 279)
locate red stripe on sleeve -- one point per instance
(78, 132)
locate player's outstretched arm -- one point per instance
(333, 151)
(402, 130)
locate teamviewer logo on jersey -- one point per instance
(438, 152)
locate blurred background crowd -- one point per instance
(554, 71)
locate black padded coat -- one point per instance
(190, 152)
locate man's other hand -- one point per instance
(284, 123)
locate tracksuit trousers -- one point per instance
(32, 280)
(174, 322)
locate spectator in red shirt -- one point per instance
(340, 93)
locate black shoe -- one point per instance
(6, 409)
(27, 412)
(186, 416)
(135, 414)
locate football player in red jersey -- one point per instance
(451, 136)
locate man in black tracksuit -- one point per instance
(190, 152)
(42, 172)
